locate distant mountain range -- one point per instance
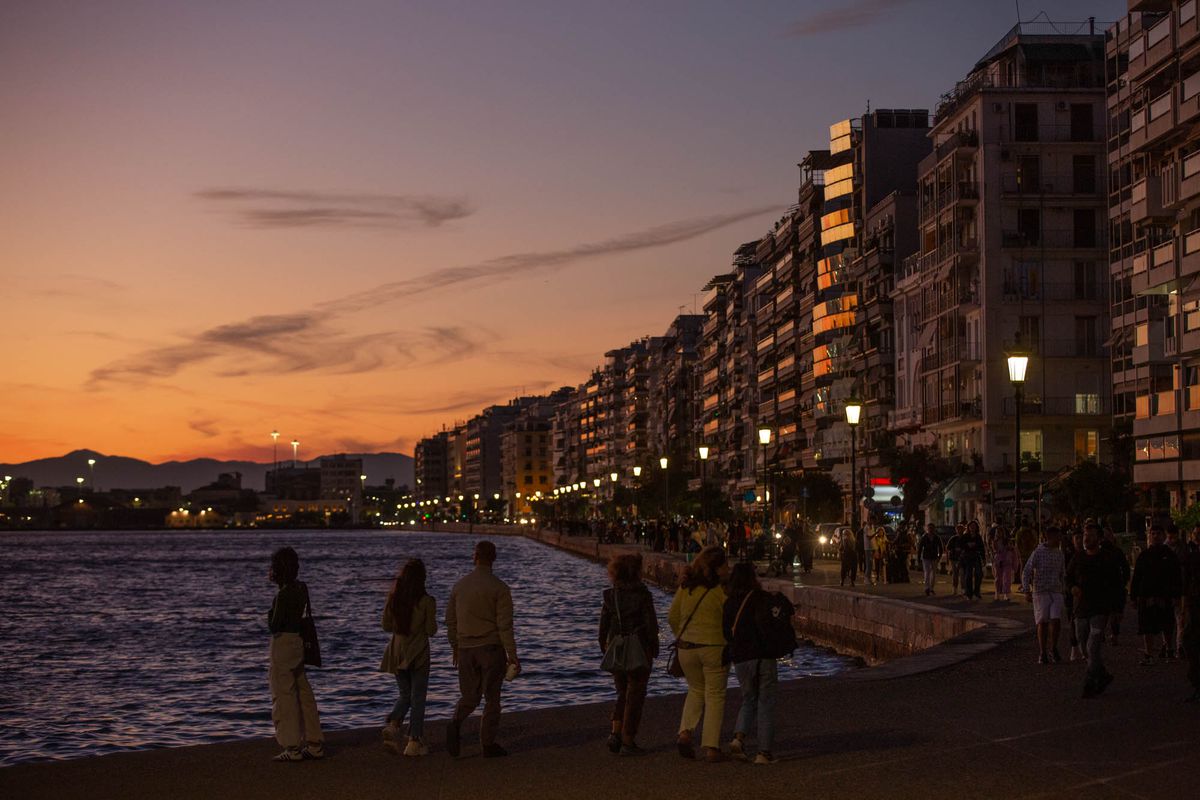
(119, 472)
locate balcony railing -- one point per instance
(1055, 290)
(1070, 406)
(1055, 239)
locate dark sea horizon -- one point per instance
(121, 641)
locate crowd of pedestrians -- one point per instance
(722, 617)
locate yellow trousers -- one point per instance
(706, 678)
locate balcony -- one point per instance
(1154, 270)
(1189, 177)
(1151, 48)
(1187, 28)
(1190, 263)
(1048, 240)
(1146, 199)
(1152, 122)
(1059, 291)
(1060, 184)
(1080, 405)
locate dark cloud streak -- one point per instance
(271, 208)
(845, 15)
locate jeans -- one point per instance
(758, 680)
(413, 685)
(930, 567)
(706, 678)
(1090, 632)
(972, 577)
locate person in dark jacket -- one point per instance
(757, 672)
(970, 560)
(628, 608)
(1156, 590)
(954, 546)
(1094, 580)
(848, 551)
(1109, 544)
(1191, 620)
(929, 549)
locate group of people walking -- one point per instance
(721, 617)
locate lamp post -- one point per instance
(853, 414)
(295, 446)
(612, 477)
(362, 496)
(92, 473)
(275, 449)
(663, 463)
(1018, 362)
(703, 451)
(637, 485)
(79, 485)
(764, 439)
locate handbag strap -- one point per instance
(307, 601)
(741, 608)
(694, 610)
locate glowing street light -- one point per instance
(1018, 363)
(853, 415)
(295, 446)
(612, 476)
(275, 448)
(92, 473)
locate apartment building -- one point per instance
(673, 404)
(526, 453)
(729, 404)
(1153, 70)
(1012, 252)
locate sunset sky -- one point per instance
(356, 221)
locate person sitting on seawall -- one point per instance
(293, 707)
(628, 609)
(410, 615)
(696, 619)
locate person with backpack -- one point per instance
(629, 642)
(758, 625)
(929, 548)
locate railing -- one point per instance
(1141, 263)
(1048, 238)
(1191, 86)
(1160, 106)
(1055, 290)
(1191, 396)
(1191, 242)
(1159, 32)
(1191, 165)
(1061, 348)
(1163, 254)
(1063, 183)
(1069, 406)
(1187, 12)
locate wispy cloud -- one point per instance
(288, 344)
(205, 427)
(512, 266)
(71, 284)
(311, 340)
(844, 15)
(272, 208)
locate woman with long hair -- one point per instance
(1005, 563)
(410, 616)
(757, 672)
(628, 609)
(293, 707)
(696, 619)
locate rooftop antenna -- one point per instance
(1017, 3)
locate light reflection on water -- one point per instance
(118, 641)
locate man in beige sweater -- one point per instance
(479, 623)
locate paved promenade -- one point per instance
(992, 726)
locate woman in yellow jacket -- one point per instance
(696, 619)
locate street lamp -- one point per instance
(853, 414)
(703, 450)
(92, 473)
(1018, 362)
(662, 464)
(637, 487)
(275, 448)
(295, 445)
(764, 439)
(79, 484)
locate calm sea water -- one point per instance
(121, 641)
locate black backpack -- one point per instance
(775, 625)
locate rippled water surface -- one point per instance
(118, 641)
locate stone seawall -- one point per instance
(877, 629)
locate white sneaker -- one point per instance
(416, 747)
(764, 757)
(389, 733)
(290, 754)
(1076, 655)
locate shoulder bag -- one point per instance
(308, 634)
(674, 668)
(624, 652)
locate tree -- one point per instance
(824, 495)
(917, 469)
(1093, 490)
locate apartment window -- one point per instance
(1023, 280)
(1025, 118)
(1087, 445)
(1083, 171)
(1081, 122)
(1085, 227)
(1087, 403)
(1030, 331)
(1029, 225)
(1031, 447)
(1085, 336)
(1086, 284)
(528, 480)
(1029, 174)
